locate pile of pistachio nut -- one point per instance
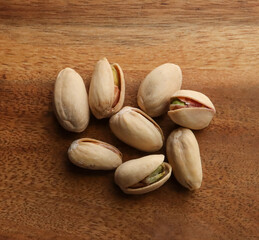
(158, 93)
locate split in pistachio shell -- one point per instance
(94, 154)
(116, 79)
(158, 87)
(184, 156)
(70, 101)
(191, 109)
(107, 89)
(137, 129)
(143, 175)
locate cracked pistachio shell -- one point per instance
(158, 87)
(94, 154)
(137, 129)
(184, 156)
(101, 90)
(194, 118)
(70, 101)
(133, 171)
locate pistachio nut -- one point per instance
(191, 109)
(137, 129)
(70, 101)
(94, 154)
(158, 87)
(107, 89)
(142, 175)
(184, 156)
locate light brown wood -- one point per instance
(43, 196)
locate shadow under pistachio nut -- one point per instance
(94, 154)
(137, 129)
(158, 87)
(70, 101)
(191, 109)
(183, 154)
(142, 175)
(107, 89)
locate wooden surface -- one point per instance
(43, 196)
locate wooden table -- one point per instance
(44, 196)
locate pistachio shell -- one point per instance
(70, 101)
(184, 156)
(158, 87)
(194, 118)
(101, 91)
(137, 129)
(94, 154)
(133, 171)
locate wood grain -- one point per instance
(43, 196)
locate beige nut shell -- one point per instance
(137, 129)
(184, 156)
(133, 171)
(194, 118)
(70, 101)
(94, 154)
(101, 90)
(158, 87)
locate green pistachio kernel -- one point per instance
(178, 102)
(155, 176)
(115, 76)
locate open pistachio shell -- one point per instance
(193, 117)
(104, 101)
(158, 87)
(134, 171)
(137, 129)
(184, 156)
(94, 154)
(70, 101)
